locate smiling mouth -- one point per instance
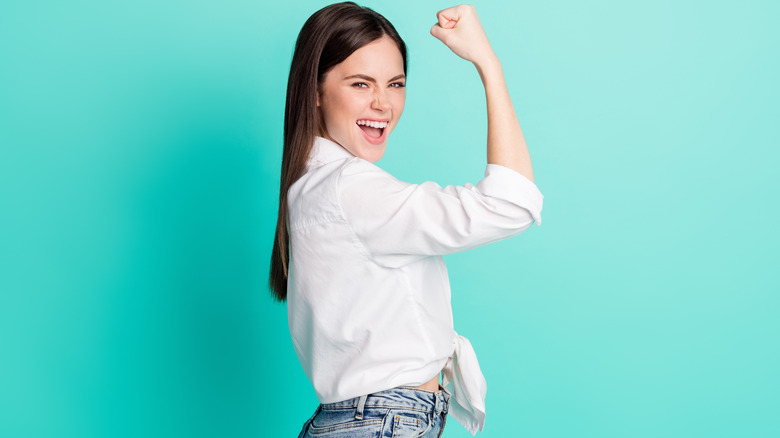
(372, 129)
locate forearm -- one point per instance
(505, 142)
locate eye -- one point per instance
(360, 85)
(397, 85)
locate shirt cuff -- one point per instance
(504, 183)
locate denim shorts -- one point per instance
(402, 412)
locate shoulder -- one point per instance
(357, 166)
(359, 174)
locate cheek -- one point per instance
(343, 108)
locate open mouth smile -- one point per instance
(373, 130)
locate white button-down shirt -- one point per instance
(368, 292)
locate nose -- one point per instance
(380, 102)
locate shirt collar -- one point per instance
(324, 151)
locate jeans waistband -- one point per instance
(402, 397)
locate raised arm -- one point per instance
(460, 30)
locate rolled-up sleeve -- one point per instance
(399, 222)
(504, 183)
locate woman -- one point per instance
(367, 290)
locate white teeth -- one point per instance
(373, 124)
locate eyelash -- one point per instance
(394, 85)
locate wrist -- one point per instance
(488, 67)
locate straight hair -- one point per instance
(327, 38)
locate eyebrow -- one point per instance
(370, 79)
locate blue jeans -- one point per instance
(402, 412)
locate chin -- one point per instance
(371, 148)
(373, 155)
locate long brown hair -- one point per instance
(327, 38)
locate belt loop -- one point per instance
(361, 404)
(438, 403)
(442, 402)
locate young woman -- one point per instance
(367, 290)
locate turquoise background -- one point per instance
(140, 147)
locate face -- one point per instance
(361, 99)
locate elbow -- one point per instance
(524, 217)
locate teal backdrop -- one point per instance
(140, 149)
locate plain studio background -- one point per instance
(140, 147)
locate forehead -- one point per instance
(380, 56)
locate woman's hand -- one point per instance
(460, 30)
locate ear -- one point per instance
(318, 97)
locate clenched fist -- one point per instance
(460, 30)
